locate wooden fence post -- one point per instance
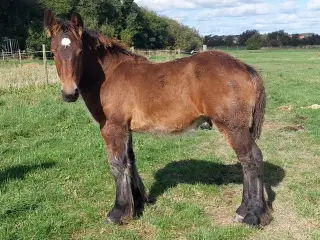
(2, 55)
(19, 52)
(11, 48)
(204, 48)
(45, 62)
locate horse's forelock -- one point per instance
(65, 26)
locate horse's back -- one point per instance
(170, 96)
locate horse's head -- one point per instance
(66, 46)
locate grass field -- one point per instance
(55, 184)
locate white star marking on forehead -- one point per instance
(65, 42)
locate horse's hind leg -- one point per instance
(253, 209)
(130, 193)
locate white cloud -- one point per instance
(179, 15)
(280, 19)
(235, 16)
(313, 5)
(162, 5)
(244, 10)
(289, 6)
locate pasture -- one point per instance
(55, 183)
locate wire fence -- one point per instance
(162, 55)
(21, 68)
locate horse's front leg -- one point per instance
(130, 192)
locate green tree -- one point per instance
(137, 27)
(61, 8)
(278, 38)
(157, 30)
(229, 40)
(16, 17)
(246, 35)
(36, 37)
(123, 19)
(183, 37)
(255, 42)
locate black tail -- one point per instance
(259, 108)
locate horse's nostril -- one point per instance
(70, 97)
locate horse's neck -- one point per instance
(97, 65)
(90, 84)
(93, 72)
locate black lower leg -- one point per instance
(242, 209)
(124, 203)
(137, 186)
(257, 209)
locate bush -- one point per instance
(255, 42)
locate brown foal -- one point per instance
(126, 93)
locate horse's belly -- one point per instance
(165, 124)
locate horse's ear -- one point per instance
(77, 20)
(49, 21)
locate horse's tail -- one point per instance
(260, 103)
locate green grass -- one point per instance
(55, 183)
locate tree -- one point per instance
(278, 38)
(284, 38)
(137, 27)
(255, 42)
(246, 35)
(16, 17)
(157, 32)
(36, 37)
(183, 37)
(214, 40)
(229, 40)
(123, 19)
(295, 40)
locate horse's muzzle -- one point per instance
(70, 97)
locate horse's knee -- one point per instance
(118, 166)
(253, 158)
(256, 153)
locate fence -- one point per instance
(233, 48)
(37, 67)
(10, 45)
(227, 48)
(161, 55)
(27, 68)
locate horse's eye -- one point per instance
(79, 52)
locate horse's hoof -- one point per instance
(238, 218)
(115, 216)
(151, 200)
(254, 219)
(112, 221)
(251, 219)
(266, 218)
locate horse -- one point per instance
(126, 93)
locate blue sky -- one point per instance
(223, 17)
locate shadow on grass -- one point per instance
(205, 172)
(19, 172)
(18, 210)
